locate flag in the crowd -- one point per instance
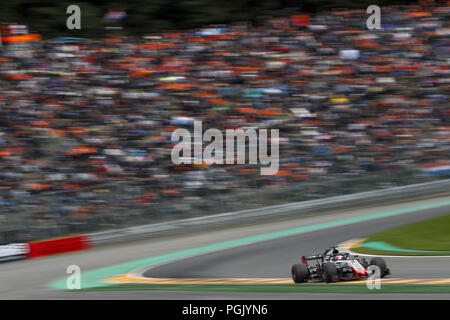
(300, 20)
(436, 168)
(349, 54)
(115, 15)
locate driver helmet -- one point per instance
(339, 257)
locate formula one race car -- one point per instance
(333, 266)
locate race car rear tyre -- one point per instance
(300, 273)
(378, 261)
(329, 272)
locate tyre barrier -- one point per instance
(13, 251)
(58, 245)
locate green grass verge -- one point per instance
(432, 234)
(280, 288)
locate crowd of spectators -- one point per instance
(85, 125)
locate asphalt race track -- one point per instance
(274, 258)
(28, 279)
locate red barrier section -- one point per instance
(59, 245)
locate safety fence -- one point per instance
(131, 203)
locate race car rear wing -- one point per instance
(314, 257)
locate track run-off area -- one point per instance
(247, 262)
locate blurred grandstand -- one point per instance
(85, 124)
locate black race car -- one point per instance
(332, 266)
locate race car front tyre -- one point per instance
(378, 261)
(300, 273)
(329, 272)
